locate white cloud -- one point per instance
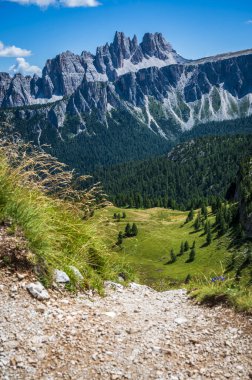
(249, 22)
(64, 3)
(23, 67)
(80, 3)
(13, 51)
(39, 3)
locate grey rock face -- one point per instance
(15, 91)
(155, 45)
(5, 81)
(131, 76)
(206, 91)
(63, 74)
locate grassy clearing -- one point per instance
(57, 234)
(160, 230)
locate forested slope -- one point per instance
(192, 173)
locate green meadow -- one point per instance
(159, 231)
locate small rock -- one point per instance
(77, 273)
(61, 277)
(110, 314)
(113, 285)
(41, 309)
(14, 289)
(180, 321)
(228, 344)
(21, 276)
(13, 362)
(95, 356)
(38, 291)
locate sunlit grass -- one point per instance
(39, 198)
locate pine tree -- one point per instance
(204, 211)
(191, 256)
(124, 215)
(139, 201)
(173, 256)
(115, 216)
(134, 230)
(207, 227)
(209, 237)
(127, 230)
(148, 203)
(186, 246)
(197, 223)
(190, 216)
(120, 238)
(182, 249)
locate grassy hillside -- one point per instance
(37, 197)
(161, 230)
(217, 272)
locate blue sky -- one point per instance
(195, 28)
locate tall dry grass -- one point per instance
(50, 204)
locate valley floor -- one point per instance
(132, 333)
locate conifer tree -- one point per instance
(173, 256)
(190, 216)
(127, 230)
(204, 211)
(120, 238)
(209, 237)
(134, 230)
(191, 256)
(186, 246)
(197, 223)
(207, 227)
(182, 249)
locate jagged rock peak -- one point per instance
(156, 45)
(134, 41)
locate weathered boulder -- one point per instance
(61, 277)
(38, 291)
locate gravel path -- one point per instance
(134, 333)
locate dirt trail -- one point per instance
(133, 333)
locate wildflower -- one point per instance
(219, 278)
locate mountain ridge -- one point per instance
(150, 82)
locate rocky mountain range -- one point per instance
(150, 81)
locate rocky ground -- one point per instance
(132, 333)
